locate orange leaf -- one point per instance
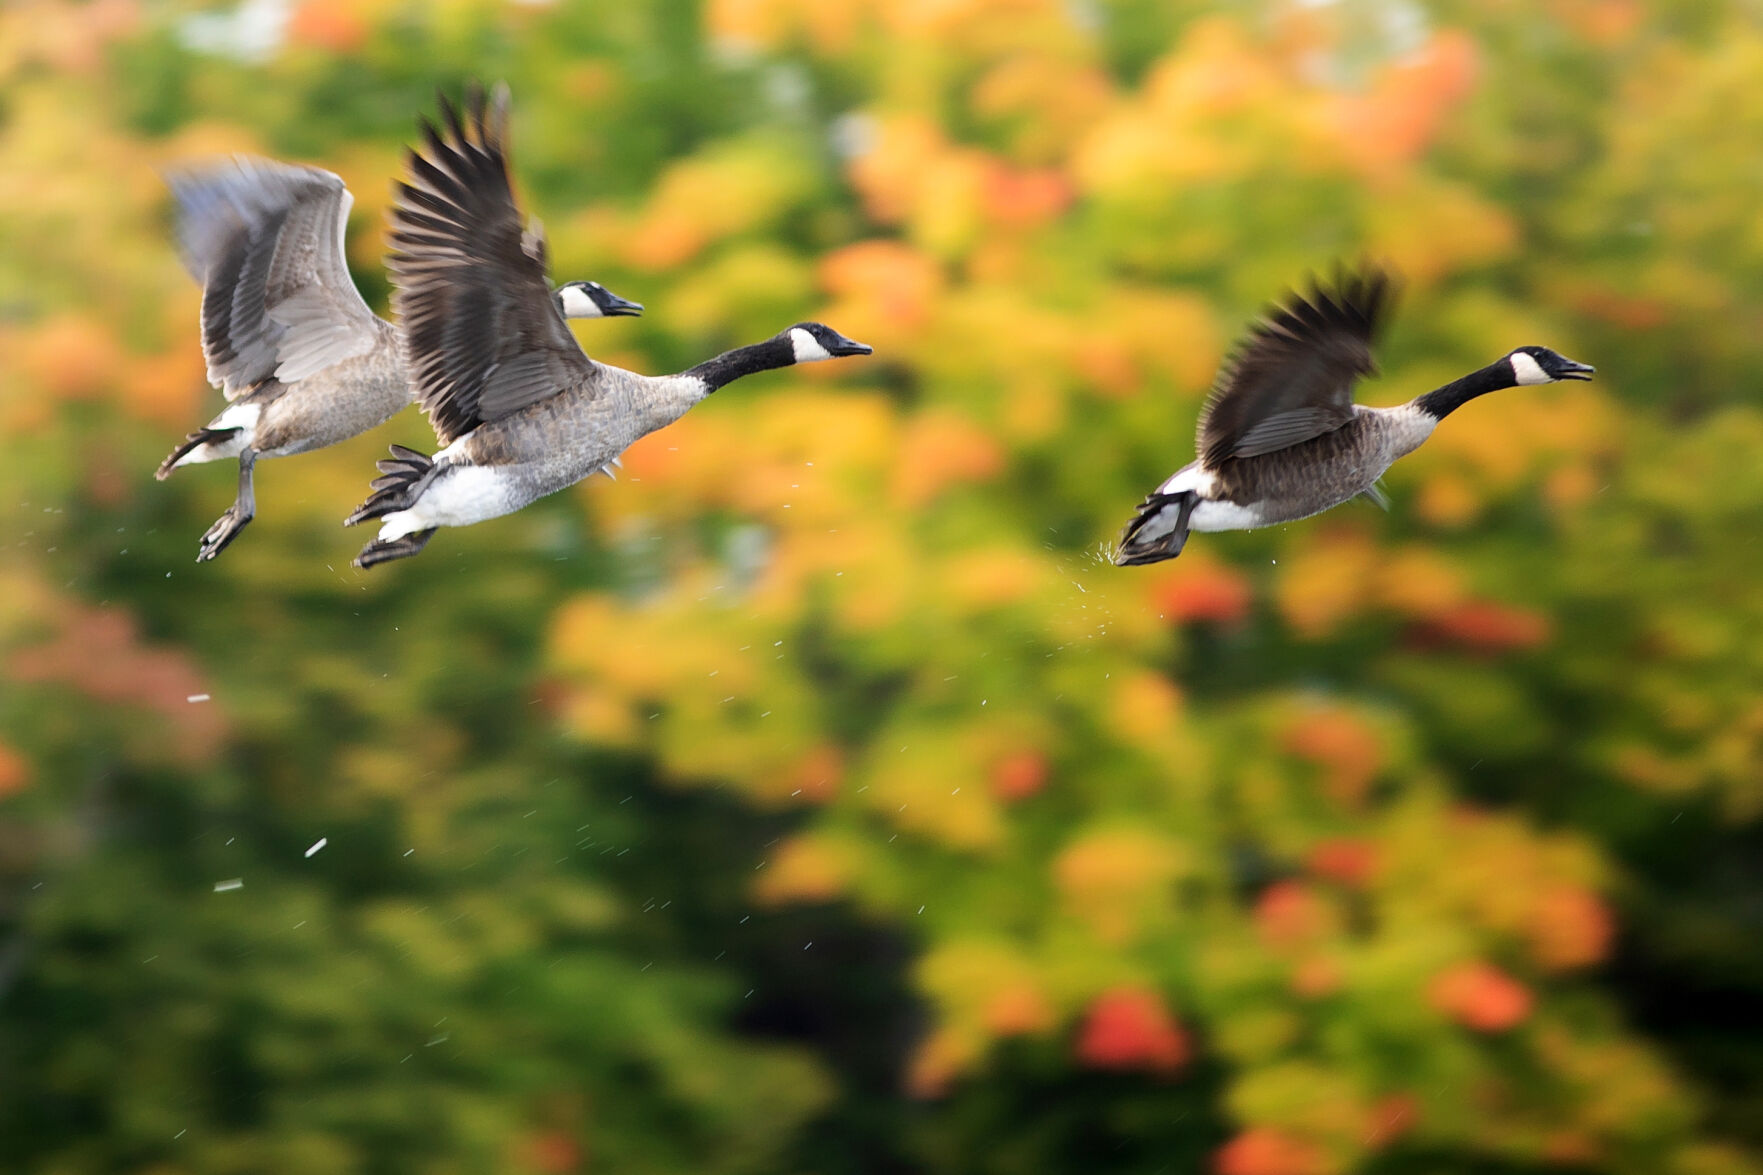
(1343, 743)
(1290, 913)
(1203, 590)
(1261, 1151)
(1130, 1029)
(1483, 626)
(1480, 996)
(334, 25)
(1570, 928)
(1347, 860)
(14, 771)
(1019, 775)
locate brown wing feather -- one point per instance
(1291, 377)
(482, 330)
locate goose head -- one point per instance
(813, 341)
(1539, 365)
(592, 300)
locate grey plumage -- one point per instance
(286, 334)
(288, 339)
(1280, 438)
(520, 410)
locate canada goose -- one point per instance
(286, 334)
(520, 410)
(1280, 437)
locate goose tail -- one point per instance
(403, 477)
(214, 438)
(1158, 531)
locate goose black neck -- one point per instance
(732, 365)
(1441, 402)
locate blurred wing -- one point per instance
(481, 328)
(1292, 376)
(265, 239)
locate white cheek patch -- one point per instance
(807, 347)
(577, 304)
(1528, 370)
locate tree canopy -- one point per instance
(817, 797)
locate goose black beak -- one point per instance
(1572, 370)
(616, 307)
(839, 345)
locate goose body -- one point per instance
(520, 410)
(288, 339)
(1280, 438)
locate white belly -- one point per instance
(1224, 516)
(1207, 514)
(459, 496)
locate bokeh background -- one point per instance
(817, 798)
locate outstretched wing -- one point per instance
(482, 331)
(265, 239)
(1291, 377)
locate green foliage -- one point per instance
(818, 797)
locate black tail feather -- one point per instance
(1136, 547)
(191, 443)
(378, 552)
(403, 477)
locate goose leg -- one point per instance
(378, 552)
(1149, 537)
(226, 528)
(1179, 538)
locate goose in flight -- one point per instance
(1280, 437)
(299, 356)
(519, 409)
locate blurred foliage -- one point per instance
(817, 797)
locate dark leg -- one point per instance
(377, 552)
(1179, 539)
(227, 527)
(1135, 548)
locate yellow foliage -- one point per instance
(1505, 879)
(1304, 1098)
(729, 188)
(983, 580)
(1326, 582)
(1208, 112)
(887, 175)
(939, 1059)
(1118, 881)
(1144, 707)
(982, 27)
(64, 37)
(1419, 582)
(70, 357)
(1448, 499)
(1427, 228)
(985, 988)
(805, 869)
(933, 790)
(940, 449)
(721, 291)
(594, 715)
(168, 389)
(1050, 103)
